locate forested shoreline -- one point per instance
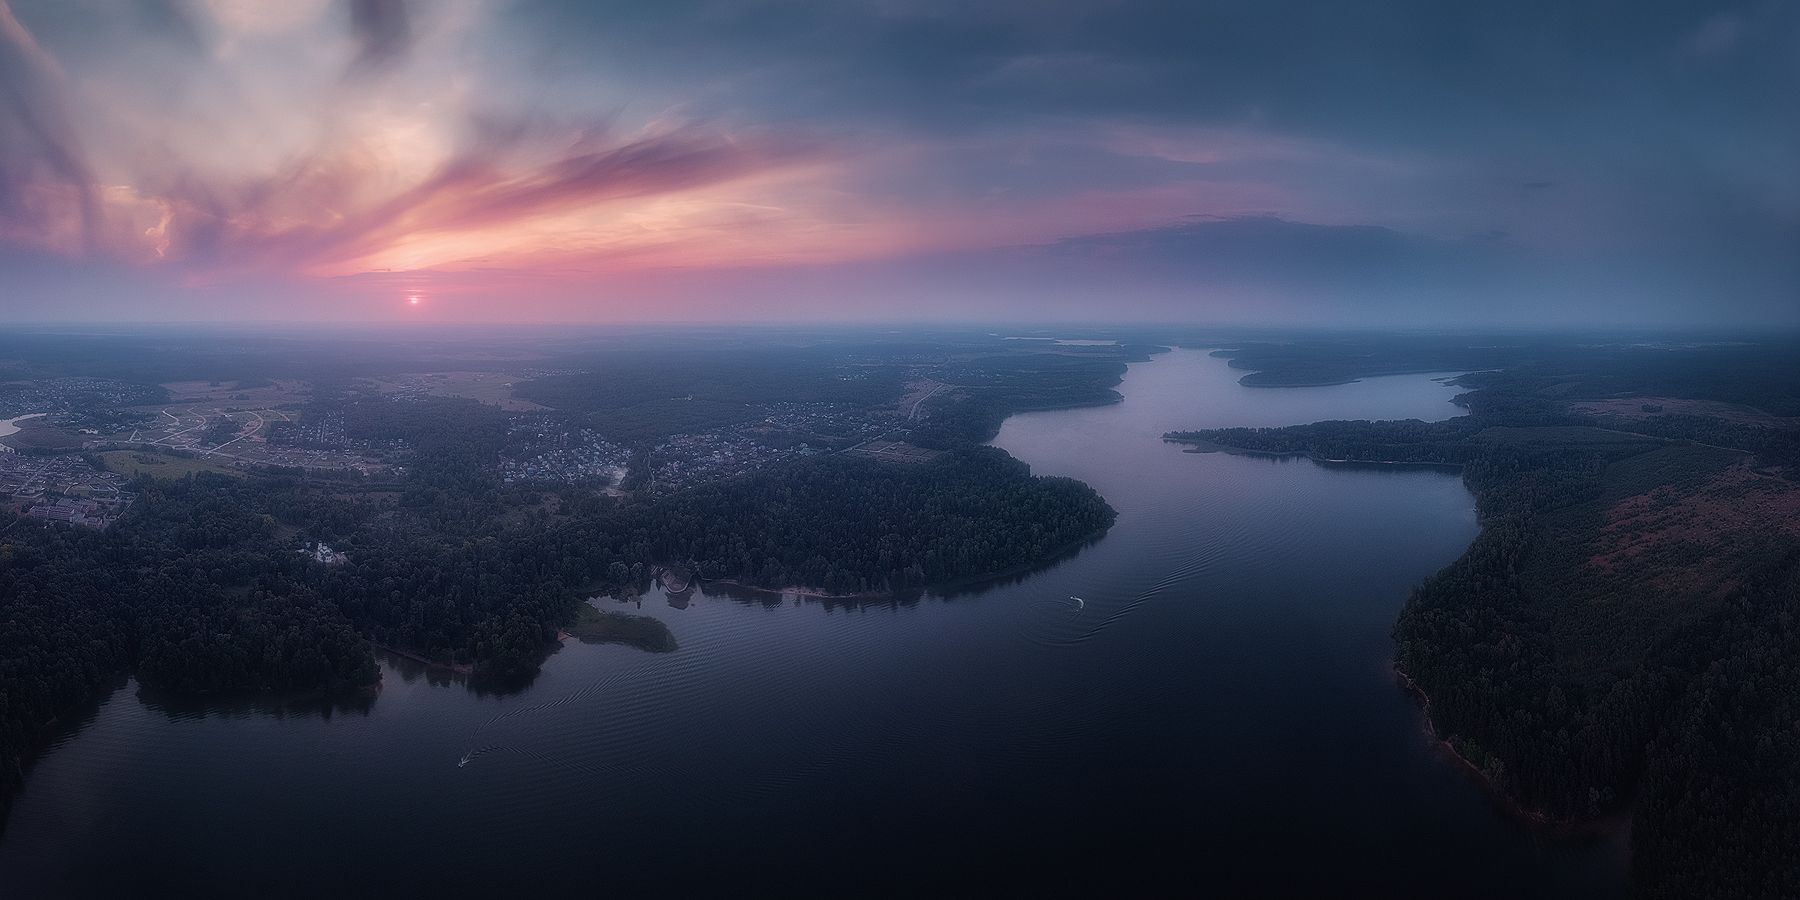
(201, 589)
(1619, 639)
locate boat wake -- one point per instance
(1054, 621)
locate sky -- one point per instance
(1378, 163)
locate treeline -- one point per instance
(849, 525)
(1757, 370)
(1408, 440)
(743, 375)
(1764, 441)
(833, 523)
(1336, 361)
(638, 396)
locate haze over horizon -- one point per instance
(1393, 163)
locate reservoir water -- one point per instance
(1216, 714)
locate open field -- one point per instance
(893, 451)
(279, 392)
(228, 434)
(1706, 527)
(132, 463)
(196, 427)
(1635, 408)
(1557, 435)
(494, 388)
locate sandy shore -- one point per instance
(1555, 826)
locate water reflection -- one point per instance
(321, 706)
(411, 669)
(597, 625)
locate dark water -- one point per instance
(1217, 716)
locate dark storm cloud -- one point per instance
(1229, 267)
(1361, 273)
(36, 138)
(1360, 67)
(175, 20)
(1258, 248)
(1655, 134)
(383, 32)
(1266, 270)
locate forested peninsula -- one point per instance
(207, 584)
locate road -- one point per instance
(242, 433)
(936, 387)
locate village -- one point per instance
(64, 489)
(72, 472)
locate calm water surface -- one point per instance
(1217, 714)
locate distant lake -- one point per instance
(1215, 714)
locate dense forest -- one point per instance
(1535, 369)
(495, 598)
(855, 526)
(1621, 636)
(198, 592)
(201, 588)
